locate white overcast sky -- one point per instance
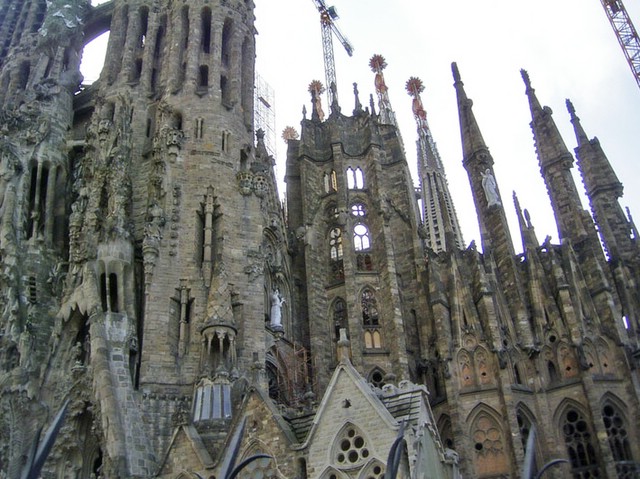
(567, 46)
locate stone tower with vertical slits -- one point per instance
(152, 280)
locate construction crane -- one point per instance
(328, 15)
(626, 33)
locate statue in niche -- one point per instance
(276, 309)
(490, 188)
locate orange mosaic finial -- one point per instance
(414, 87)
(317, 86)
(377, 63)
(290, 133)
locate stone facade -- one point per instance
(151, 276)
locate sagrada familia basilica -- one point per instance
(152, 280)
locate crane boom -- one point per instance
(626, 34)
(328, 15)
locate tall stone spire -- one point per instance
(432, 178)
(387, 115)
(555, 165)
(494, 230)
(478, 162)
(603, 189)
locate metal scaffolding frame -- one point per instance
(264, 113)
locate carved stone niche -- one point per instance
(218, 348)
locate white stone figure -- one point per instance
(490, 188)
(276, 309)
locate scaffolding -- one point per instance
(264, 113)
(292, 381)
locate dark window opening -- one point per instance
(226, 42)
(154, 78)
(206, 30)
(516, 373)
(96, 468)
(113, 292)
(617, 434)
(103, 291)
(32, 200)
(224, 90)
(23, 75)
(578, 439)
(159, 43)
(553, 373)
(185, 26)
(137, 72)
(203, 77)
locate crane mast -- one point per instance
(626, 34)
(328, 15)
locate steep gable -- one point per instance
(186, 452)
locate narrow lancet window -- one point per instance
(206, 30)
(336, 252)
(225, 51)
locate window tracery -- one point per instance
(355, 178)
(361, 237)
(370, 320)
(330, 181)
(336, 254)
(358, 210)
(374, 470)
(350, 447)
(616, 427)
(489, 447)
(578, 440)
(370, 315)
(339, 318)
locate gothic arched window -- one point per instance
(361, 237)
(524, 425)
(370, 320)
(370, 315)
(330, 182)
(355, 179)
(491, 457)
(339, 318)
(335, 243)
(578, 439)
(617, 433)
(350, 447)
(336, 253)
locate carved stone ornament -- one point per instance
(260, 185)
(245, 182)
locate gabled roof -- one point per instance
(189, 434)
(346, 372)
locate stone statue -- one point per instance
(490, 188)
(276, 309)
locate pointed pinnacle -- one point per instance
(456, 72)
(525, 77)
(581, 136)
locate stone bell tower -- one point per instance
(140, 223)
